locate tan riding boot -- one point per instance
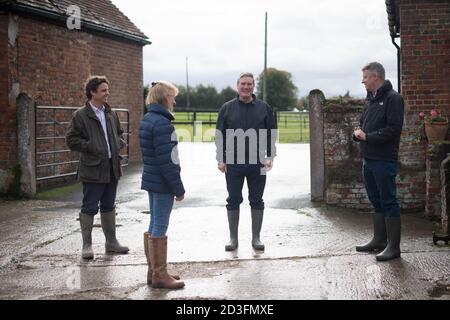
(148, 255)
(158, 257)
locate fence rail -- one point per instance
(53, 159)
(293, 127)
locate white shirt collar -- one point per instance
(97, 109)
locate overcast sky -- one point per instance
(322, 43)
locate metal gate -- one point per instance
(54, 161)
(293, 127)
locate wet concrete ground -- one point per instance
(309, 247)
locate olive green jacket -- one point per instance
(85, 135)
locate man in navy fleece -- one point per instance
(379, 137)
(245, 145)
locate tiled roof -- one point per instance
(102, 13)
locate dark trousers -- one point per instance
(103, 194)
(256, 182)
(379, 180)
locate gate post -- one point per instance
(26, 124)
(317, 153)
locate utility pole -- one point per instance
(187, 84)
(265, 64)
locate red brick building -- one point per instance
(423, 27)
(44, 61)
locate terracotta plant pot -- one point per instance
(436, 131)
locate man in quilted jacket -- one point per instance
(96, 133)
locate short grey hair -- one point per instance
(377, 68)
(246, 75)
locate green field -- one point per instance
(293, 127)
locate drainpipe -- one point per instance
(398, 64)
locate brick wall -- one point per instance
(425, 68)
(8, 137)
(343, 185)
(425, 63)
(53, 64)
(343, 180)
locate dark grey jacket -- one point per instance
(85, 134)
(235, 115)
(382, 121)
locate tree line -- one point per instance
(282, 94)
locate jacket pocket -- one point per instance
(89, 168)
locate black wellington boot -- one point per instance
(379, 240)
(233, 224)
(86, 223)
(257, 219)
(392, 251)
(108, 220)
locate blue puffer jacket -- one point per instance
(159, 151)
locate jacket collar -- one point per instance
(386, 87)
(91, 112)
(251, 102)
(157, 108)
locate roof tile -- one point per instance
(101, 12)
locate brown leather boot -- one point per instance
(158, 257)
(148, 255)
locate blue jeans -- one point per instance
(379, 179)
(256, 183)
(160, 208)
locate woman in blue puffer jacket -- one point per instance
(161, 178)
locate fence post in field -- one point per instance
(193, 123)
(301, 120)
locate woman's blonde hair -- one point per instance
(159, 91)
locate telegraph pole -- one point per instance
(265, 64)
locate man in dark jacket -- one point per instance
(379, 136)
(245, 145)
(96, 133)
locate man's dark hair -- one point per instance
(93, 83)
